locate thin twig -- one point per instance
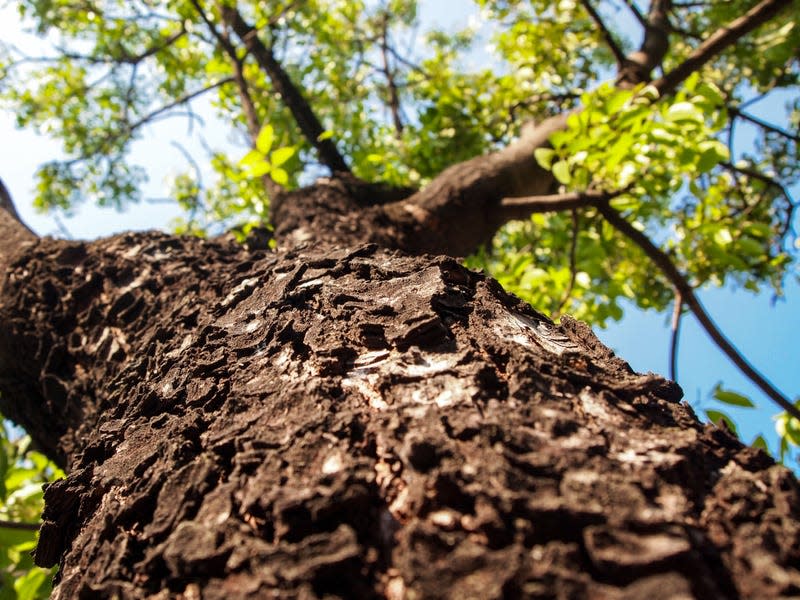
(177, 102)
(681, 284)
(636, 12)
(736, 112)
(573, 269)
(125, 58)
(791, 204)
(612, 44)
(19, 526)
(677, 313)
(388, 73)
(248, 106)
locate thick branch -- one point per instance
(14, 234)
(677, 279)
(301, 110)
(461, 208)
(638, 65)
(719, 40)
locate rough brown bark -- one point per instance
(457, 212)
(355, 422)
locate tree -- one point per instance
(352, 413)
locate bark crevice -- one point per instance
(357, 422)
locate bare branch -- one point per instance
(177, 102)
(306, 119)
(636, 12)
(248, 106)
(612, 44)
(394, 96)
(125, 57)
(18, 525)
(677, 313)
(791, 204)
(521, 208)
(13, 232)
(573, 269)
(682, 286)
(719, 40)
(736, 112)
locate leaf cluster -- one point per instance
(23, 471)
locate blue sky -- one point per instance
(768, 334)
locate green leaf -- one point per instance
(281, 155)
(544, 156)
(561, 172)
(251, 159)
(34, 584)
(750, 247)
(732, 398)
(713, 152)
(711, 93)
(617, 101)
(716, 416)
(265, 139)
(325, 135)
(788, 429)
(683, 111)
(259, 169)
(280, 176)
(16, 537)
(761, 443)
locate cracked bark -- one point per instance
(353, 421)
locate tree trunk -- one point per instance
(356, 422)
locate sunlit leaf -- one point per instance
(265, 139)
(729, 397)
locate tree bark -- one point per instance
(351, 421)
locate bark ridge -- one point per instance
(355, 422)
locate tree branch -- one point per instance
(719, 40)
(521, 208)
(248, 106)
(19, 526)
(125, 57)
(791, 205)
(301, 110)
(636, 12)
(638, 65)
(677, 313)
(612, 44)
(177, 102)
(573, 269)
(681, 284)
(394, 96)
(14, 234)
(736, 112)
